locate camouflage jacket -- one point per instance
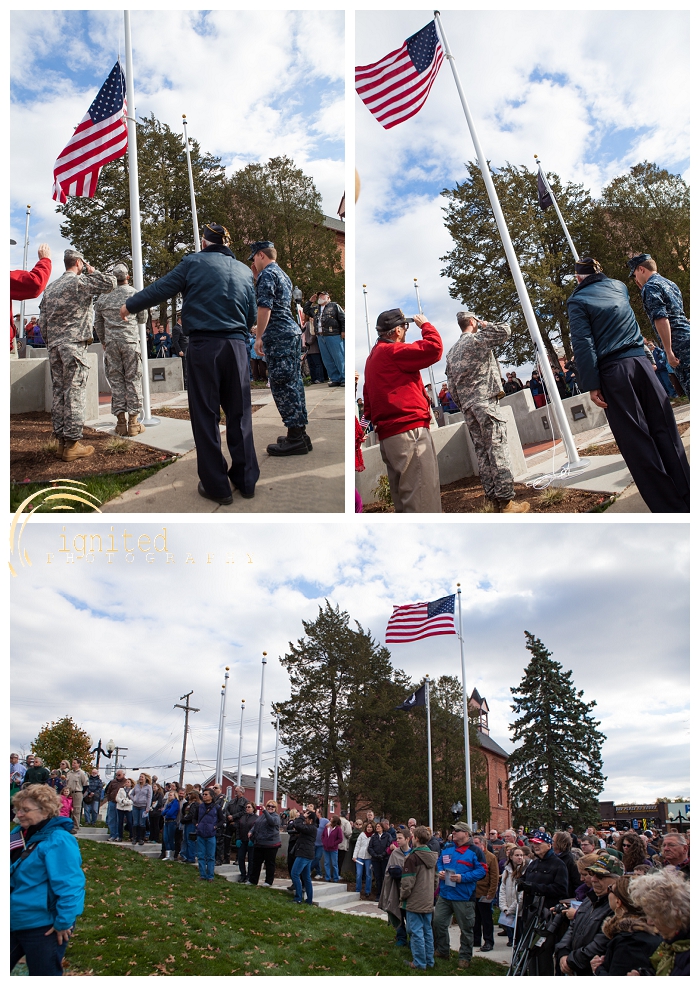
(66, 308)
(662, 299)
(108, 322)
(473, 376)
(273, 290)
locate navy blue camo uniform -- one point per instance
(282, 347)
(662, 299)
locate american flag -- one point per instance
(419, 620)
(99, 137)
(395, 88)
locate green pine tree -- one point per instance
(556, 771)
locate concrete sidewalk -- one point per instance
(313, 483)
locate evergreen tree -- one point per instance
(556, 772)
(63, 740)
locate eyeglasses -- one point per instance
(23, 811)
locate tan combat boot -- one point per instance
(59, 448)
(511, 507)
(135, 426)
(121, 426)
(74, 450)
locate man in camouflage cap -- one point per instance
(120, 341)
(474, 381)
(279, 339)
(66, 324)
(663, 303)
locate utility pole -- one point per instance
(187, 707)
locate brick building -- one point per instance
(497, 769)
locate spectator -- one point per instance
(634, 852)
(16, 767)
(631, 941)
(209, 817)
(244, 843)
(124, 808)
(589, 844)
(536, 389)
(141, 798)
(220, 800)
(389, 899)
(418, 885)
(459, 871)
(664, 897)
(486, 890)
(114, 822)
(346, 826)
(317, 370)
(93, 797)
(155, 818)
(674, 853)
(266, 840)
(328, 320)
(315, 872)
(363, 861)
(66, 804)
(178, 346)
(332, 837)
(76, 784)
(546, 878)
(305, 850)
(189, 816)
(37, 773)
(379, 849)
(585, 938)
(509, 899)
(235, 809)
(26, 284)
(171, 815)
(47, 884)
(561, 844)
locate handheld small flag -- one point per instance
(413, 701)
(100, 137)
(418, 620)
(396, 87)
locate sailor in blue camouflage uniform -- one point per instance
(663, 303)
(279, 339)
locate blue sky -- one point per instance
(586, 90)
(243, 78)
(115, 645)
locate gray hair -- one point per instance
(680, 839)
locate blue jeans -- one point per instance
(112, 821)
(206, 854)
(90, 811)
(169, 834)
(363, 865)
(420, 928)
(187, 851)
(138, 816)
(301, 871)
(330, 865)
(332, 349)
(318, 856)
(43, 954)
(315, 364)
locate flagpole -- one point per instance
(24, 267)
(258, 760)
(193, 201)
(556, 209)
(430, 755)
(574, 460)
(430, 369)
(369, 341)
(465, 713)
(240, 742)
(135, 211)
(277, 748)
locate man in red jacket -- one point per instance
(397, 406)
(25, 284)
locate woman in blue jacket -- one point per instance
(47, 884)
(210, 816)
(171, 813)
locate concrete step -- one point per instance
(337, 902)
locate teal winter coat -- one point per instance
(48, 886)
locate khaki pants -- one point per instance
(77, 797)
(412, 468)
(463, 912)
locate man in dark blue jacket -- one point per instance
(609, 352)
(218, 309)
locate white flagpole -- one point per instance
(369, 341)
(430, 369)
(430, 755)
(24, 267)
(193, 201)
(222, 731)
(277, 749)
(574, 461)
(240, 742)
(135, 210)
(465, 713)
(556, 209)
(258, 761)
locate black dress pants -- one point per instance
(483, 924)
(266, 855)
(641, 419)
(219, 376)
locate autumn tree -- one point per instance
(63, 740)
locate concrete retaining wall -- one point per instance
(533, 422)
(172, 367)
(30, 386)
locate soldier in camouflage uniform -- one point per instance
(121, 344)
(66, 324)
(663, 304)
(279, 338)
(474, 381)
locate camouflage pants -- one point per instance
(283, 353)
(69, 375)
(487, 427)
(681, 349)
(123, 370)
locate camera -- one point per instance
(557, 919)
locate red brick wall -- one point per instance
(497, 771)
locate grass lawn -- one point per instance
(103, 487)
(144, 917)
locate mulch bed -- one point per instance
(466, 496)
(32, 462)
(183, 413)
(610, 448)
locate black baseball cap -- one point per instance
(634, 262)
(390, 320)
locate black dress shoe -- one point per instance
(293, 444)
(246, 496)
(486, 948)
(283, 438)
(225, 500)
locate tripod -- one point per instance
(533, 937)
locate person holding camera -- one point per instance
(585, 937)
(397, 405)
(546, 882)
(244, 844)
(266, 841)
(305, 829)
